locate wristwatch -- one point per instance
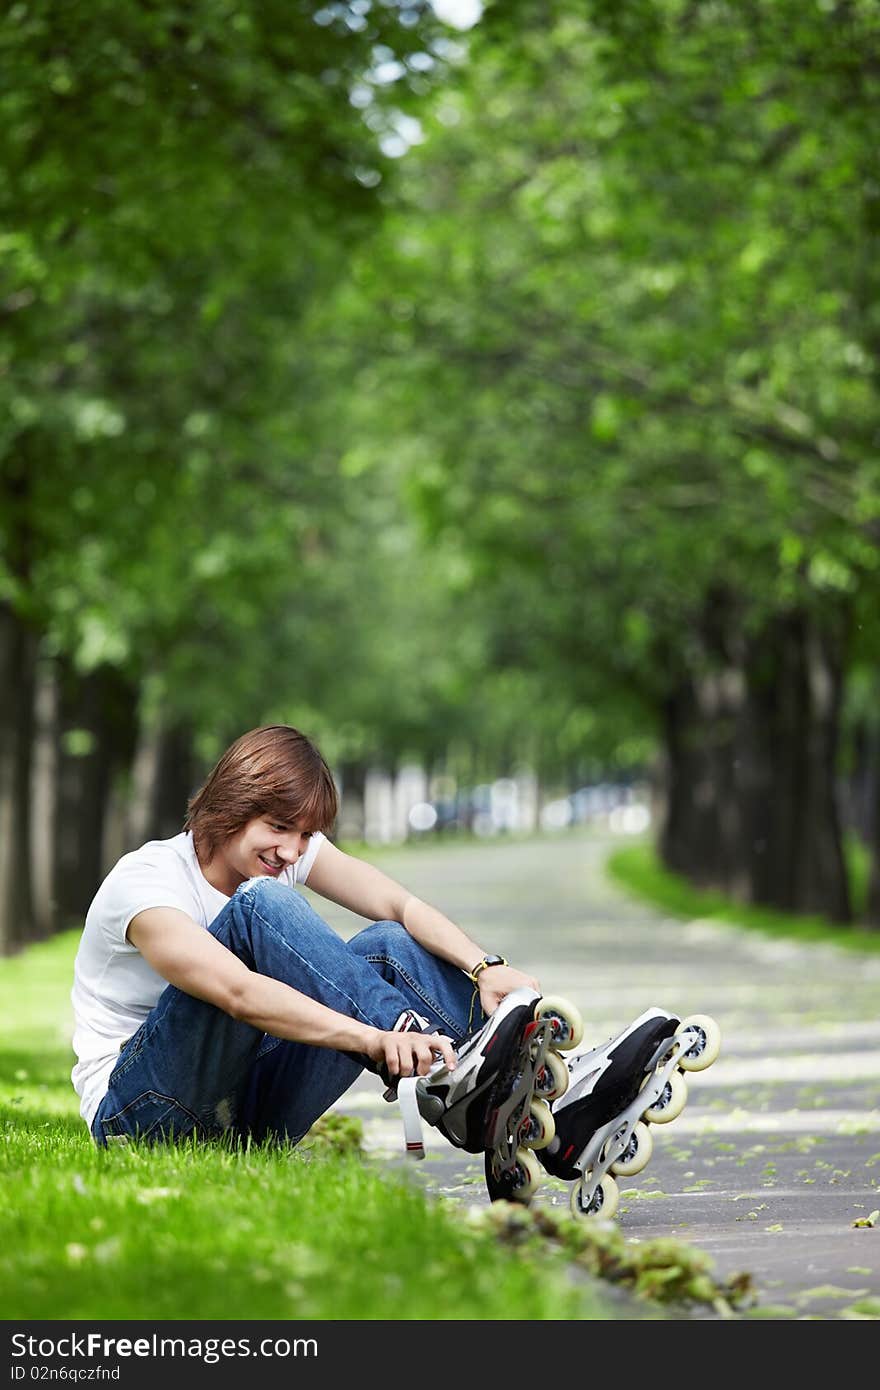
(482, 965)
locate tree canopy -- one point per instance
(512, 391)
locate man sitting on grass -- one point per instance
(210, 998)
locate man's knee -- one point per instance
(380, 939)
(264, 891)
(272, 904)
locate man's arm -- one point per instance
(364, 889)
(187, 956)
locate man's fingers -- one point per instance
(439, 1047)
(443, 1045)
(426, 1048)
(415, 1053)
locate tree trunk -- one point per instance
(352, 824)
(857, 781)
(677, 831)
(97, 718)
(702, 835)
(751, 746)
(872, 902)
(820, 871)
(176, 780)
(795, 685)
(689, 834)
(18, 655)
(43, 791)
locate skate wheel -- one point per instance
(516, 1184)
(637, 1153)
(604, 1202)
(552, 1080)
(670, 1103)
(706, 1045)
(538, 1128)
(567, 1026)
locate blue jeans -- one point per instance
(192, 1069)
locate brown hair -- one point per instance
(274, 771)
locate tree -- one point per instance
(632, 282)
(177, 185)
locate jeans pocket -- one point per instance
(151, 1117)
(128, 1054)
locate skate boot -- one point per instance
(497, 1099)
(614, 1093)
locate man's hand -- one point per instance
(496, 981)
(410, 1054)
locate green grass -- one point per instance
(638, 869)
(199, 1232)
(206, 1232)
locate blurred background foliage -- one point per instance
(490, 390)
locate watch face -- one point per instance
(494, 960)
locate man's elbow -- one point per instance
(237, 1000)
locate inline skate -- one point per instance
(615, 1092)
(497, 1099)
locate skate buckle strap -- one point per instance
(411, 1115)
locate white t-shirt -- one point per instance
(114, 987)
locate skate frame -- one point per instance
(610, 1141)
(508, 1118)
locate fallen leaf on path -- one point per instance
(867, 1220)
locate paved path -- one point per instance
(778, 1149)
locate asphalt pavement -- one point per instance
(777, 1152)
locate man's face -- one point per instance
(263, 846)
